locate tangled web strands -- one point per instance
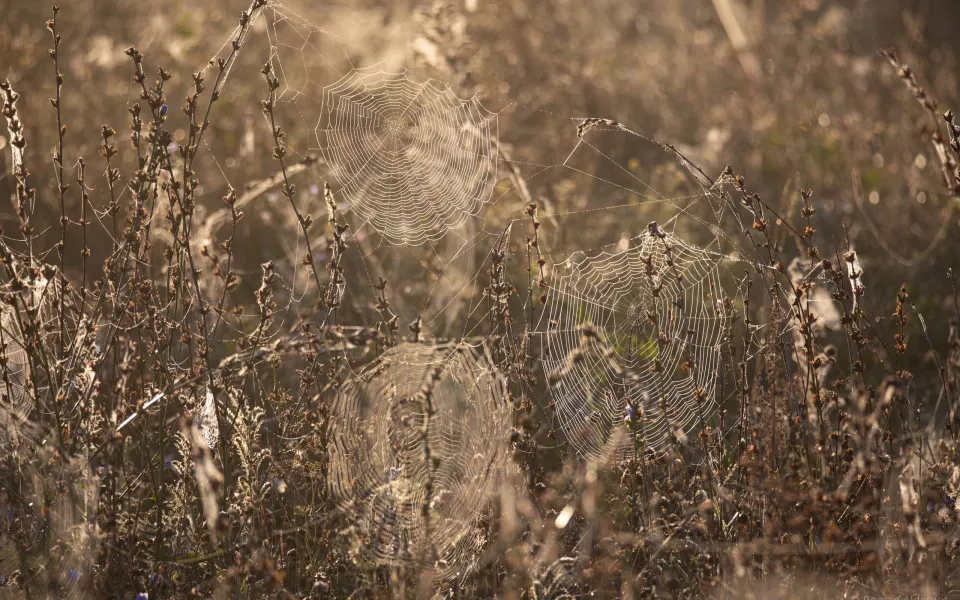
(663, 324)
(410, 158)
(379, 471)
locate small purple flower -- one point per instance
(73, 576)
(154, 579)
(930, 506)
(141, 596)
(163, 110)
(631, 413)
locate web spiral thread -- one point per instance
(379, 470)
(655, 306)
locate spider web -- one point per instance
(14, 399)
(380, 470)
(656, 305)
(53, 520)
(412, 160)
(408, 157)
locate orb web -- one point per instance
(413, 160)
(49, 526)
(655, 306)
(379, 470)
(14, 400)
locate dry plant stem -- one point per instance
(154, 97)
(426, 398)
(265, 303)
(230, 280)
(338, 245)
(807, 319)
(900, 338)
(388, 320)
(948, 164)
(107, 151)
(139, 186)
(189, 180)
(155, 101)
(742, 369)
(279, 152)
(953, 130)
(62, 186)
(953, 371)
(534, 243)
(247, 19)
(654, 319)
(850, 322)
(498, 295)
(84, 251)
(940, 370)
(956, 298)
(26, 196)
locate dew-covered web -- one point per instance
(14, 399)
(52, 505)
(413, 160)
(656, 305)
(409, 157)
(422, 426)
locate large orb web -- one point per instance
(379, 472)
(412, 160)
(664, 326)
